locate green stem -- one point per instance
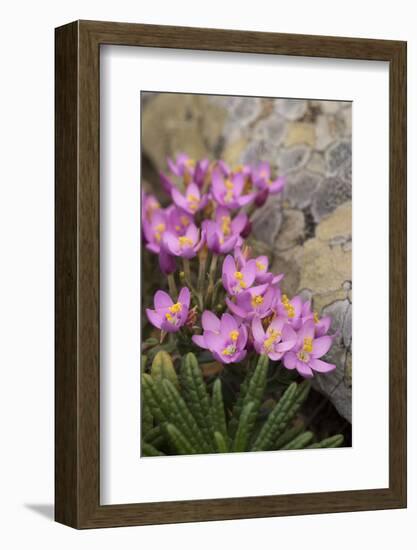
(212, 273)
(172, 286)
(187, 271)
(202, 259)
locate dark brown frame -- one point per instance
(77, 274)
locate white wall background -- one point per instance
(26, 272)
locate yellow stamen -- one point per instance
(302, 356)
(190, 163)
(234, 335)
(226, 223)
(238, 275)
(175, 308)
(230, 350)
(228, 184)
(257, 301)
(288, 306)
(242, 284)
(160, 228)
(185, 241)
(185, 221)
(169, 317)
(273, 336)
(316, 317)
(308, 345)
(228, 196)
(260, 266)
(193, 202)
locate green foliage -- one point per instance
(179, 416)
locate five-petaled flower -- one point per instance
(305, 356)
(192, 201)
(225, 338)
(167, 315)
(275, 340)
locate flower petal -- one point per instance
(321, 346)
(257, 330)
(162, 300)
(290, 360)
(321, 366)
(154, 318)
(199, 340)
(304, 369)
(184, 297)
(210, 322)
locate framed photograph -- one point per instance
(230, 274)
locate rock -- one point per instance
(300, 189)
(291, 109)
(244, 110)
(293, 158)
(300, 133)
(271, 128)
(291, 231)
(337, 385)
(331, 107)
(316, 163)
(345, 171)
(172, 123)
(336, 155)
(283, 263)
(330, 193)
(338, 225)
(267, 220)
(329, 128)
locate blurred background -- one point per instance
(307, 230)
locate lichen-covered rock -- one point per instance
(291, 109)
(292, 230)
(293, 158)
(267, 220)
(300, 188)
(192, 124)
(336, 155)
(330, 193)
(300, 133)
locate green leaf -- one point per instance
(196, 395)
(180, 415)
(149, 450)
(179, 441)
(329, 442)
(220, 442)
(163, 367)
(152, 398)
(217, 411)
(147, 418)
(288, 435)
(244, 429)
(252, 391)
(272, 427)
(299, 442)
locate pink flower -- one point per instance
(225, 338)
(192, 201)
(185, 246)
(261, 177)
(254, 302)
(262, 275)
(234, 280)
(216, 240)
(321, 325)
(278, 338)
(228, 191)
(178, 220)
(290, 310)
(305, 357)
(154, 229)
(168, 316)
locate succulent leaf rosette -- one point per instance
(220, 298)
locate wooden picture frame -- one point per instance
(77, 382)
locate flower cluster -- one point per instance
(209, 218)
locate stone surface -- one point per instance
(266, 221)
(291, 109)
(293, 158)
(300, 133)
(292, 230)
(300, 189)
(336, 155)
(330, 193)
(194, 126)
